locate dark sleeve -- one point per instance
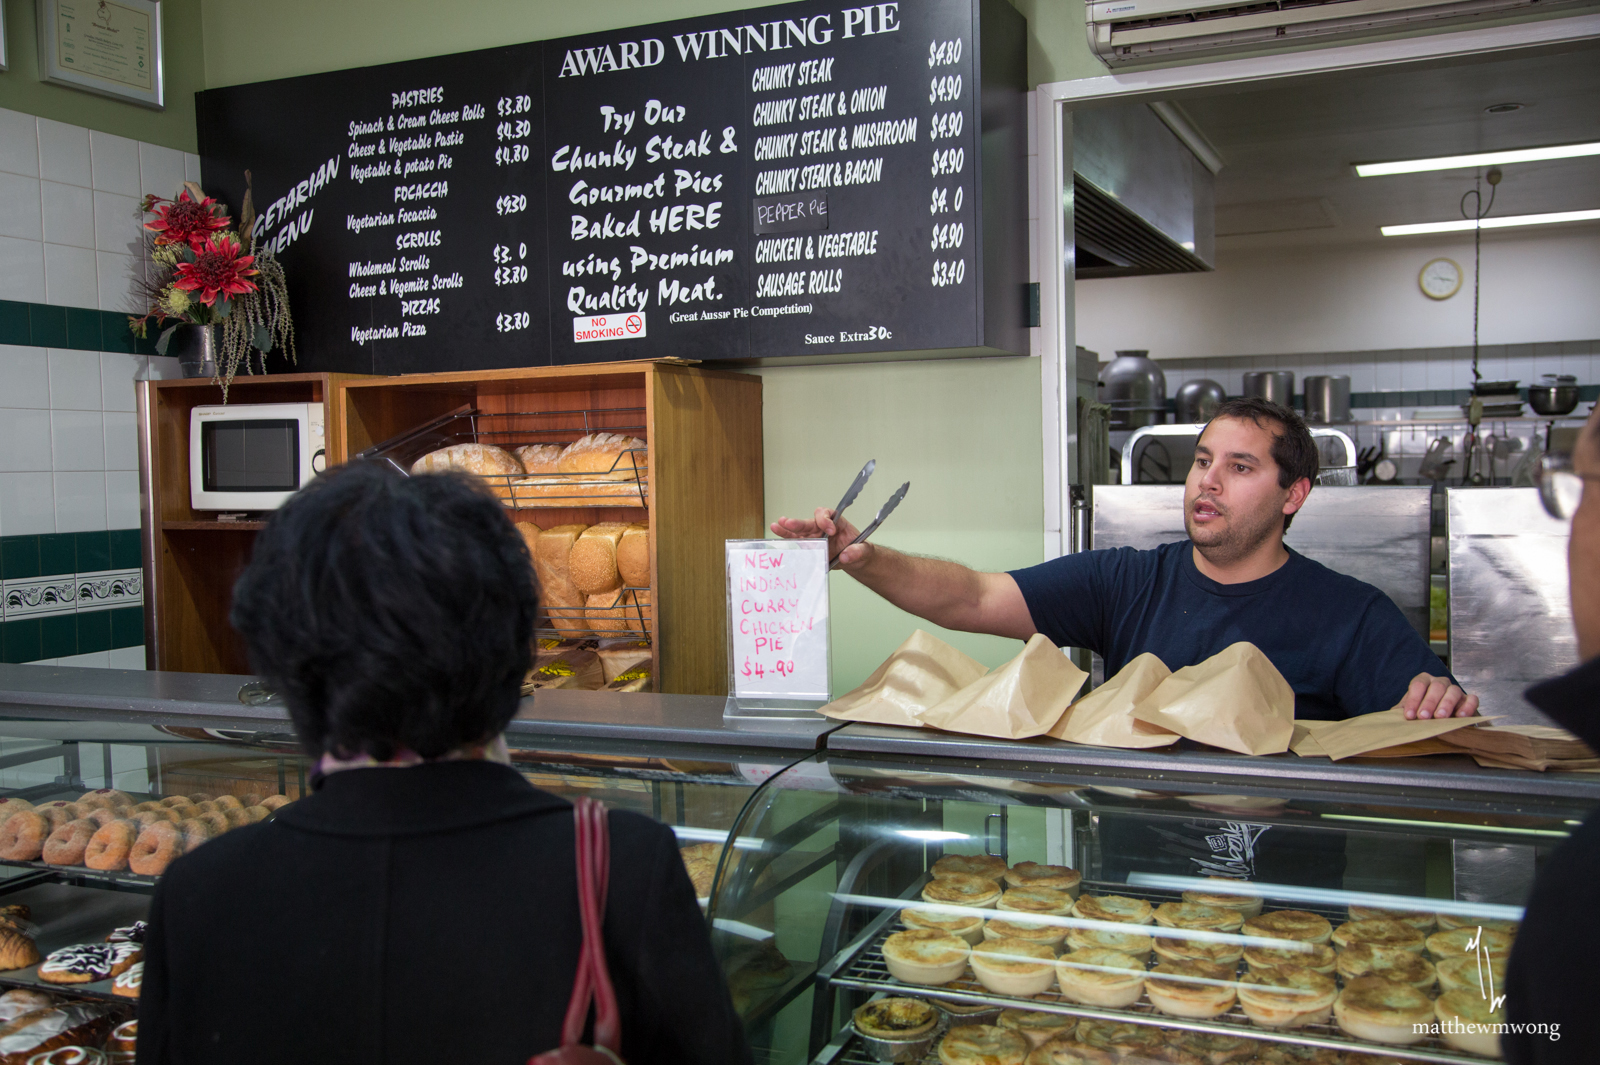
(662, 942)
(1570, 700)
(152, 1047)
(1385, 654)
(1067, 597)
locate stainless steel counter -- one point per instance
(1436, 772)
(633, 717)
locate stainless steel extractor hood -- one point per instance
(1143, 196)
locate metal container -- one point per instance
(1275, 386)
(1135, 389)
(1198, 400)
(1327, 399)
(1557, 396)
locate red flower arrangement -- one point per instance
(185, 220)
(218, 270)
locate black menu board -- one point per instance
(798, 180)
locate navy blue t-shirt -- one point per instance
(1342, 645)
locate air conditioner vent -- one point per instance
(1112, 241)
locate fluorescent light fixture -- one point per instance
(1476, 159)
(929, 835)
(1467, 225)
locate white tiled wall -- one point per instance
(69, 210)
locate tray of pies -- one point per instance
(64, 939)
(106, 834)
(1132, 966)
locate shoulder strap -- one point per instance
(593, 981)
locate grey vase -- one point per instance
(198, 356)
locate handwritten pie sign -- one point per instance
(778, 622)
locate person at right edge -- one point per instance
(1551, 979)
(420, 905)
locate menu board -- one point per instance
(798, 180)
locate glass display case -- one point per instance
(1436, 873)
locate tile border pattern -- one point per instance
(47, 325)
(68, 594)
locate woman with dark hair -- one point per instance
(421, 904)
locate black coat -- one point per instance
(1551, 979)
(426, 914)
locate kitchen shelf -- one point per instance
(221, 526)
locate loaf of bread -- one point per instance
(604, 454)
(633, 556)
(608, 613)
(621, 657)
(496, 465)
(577, 490)
(540, 458)
(557, 596)
(593, 565)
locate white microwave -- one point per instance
(253, 456)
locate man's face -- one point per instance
(1231, 501)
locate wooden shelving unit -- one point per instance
(704, 446)
(191, 560)
(703, 434)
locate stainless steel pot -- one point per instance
(1196, 401)
(1557, 396)
(1135, 389)
(1327, 399)
(1275, 386)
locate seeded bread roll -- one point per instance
(539, 458)
(593, 565)
(608, 612)
(633, 556)
(551, 557)
(497, 465)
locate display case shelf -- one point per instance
(861, 967)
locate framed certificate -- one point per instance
(110, 47)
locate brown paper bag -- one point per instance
(1104, 717)
(1022, 698)
(1236, 700)
(923, 672)
(1304, 741)
(1524, 742)
(1373, 732)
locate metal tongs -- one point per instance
(883, 512)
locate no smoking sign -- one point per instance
(625, 326)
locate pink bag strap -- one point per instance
(593, 982)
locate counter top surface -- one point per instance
(1446, 772)
(631, 717)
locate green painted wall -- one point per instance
(184, 65)
(965, 432)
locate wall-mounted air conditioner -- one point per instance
(1131, 31)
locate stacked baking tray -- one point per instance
(860, 966)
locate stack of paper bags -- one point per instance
(1382, 735)
(1539, 747)
(926, 682)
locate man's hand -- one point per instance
(838, 532)
(1431, 696)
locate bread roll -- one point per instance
(551, 557)
(607, 612)
(496, 465)
(539, 458)
(609, 454)
(593, 567)
(633, 556)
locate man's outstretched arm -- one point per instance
(945, 593)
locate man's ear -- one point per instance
(1297, 495)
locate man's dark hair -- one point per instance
(1292, 449)
(391, 612)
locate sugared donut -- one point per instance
(177, 800)
(150, 805)
(107, 797)
(22, 836)
(195, 832)
(257, 813)
(229, 802)
(146, 818)
(104, 815)
(275, 802)
(66, 845)
(11, 806)
(218, 823)
(199, 797)
(236, 817)
(108, 848)
(157, 845)
(209, 806)
(253, 799)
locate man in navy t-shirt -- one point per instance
(1342, 645)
